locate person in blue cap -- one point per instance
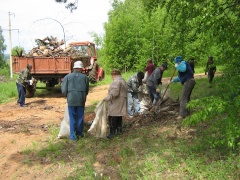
(185, 76)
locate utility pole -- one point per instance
(10, 42)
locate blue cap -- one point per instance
(164, 65)
(178, 59)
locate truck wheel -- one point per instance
(30, 90)
(93, 74)
(49, 85)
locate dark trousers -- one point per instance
(76, 114)
(186, 93)
(115, 124)
(21, 94)
(210, 76)
(153, 94)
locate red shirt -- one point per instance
(150, 68)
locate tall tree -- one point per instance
(2, 49)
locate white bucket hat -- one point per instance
(78, 64)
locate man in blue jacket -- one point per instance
(185, 76)
(76, 86)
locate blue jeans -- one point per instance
(21, 94)
(133, 103)
(76, 114)
(153, 94)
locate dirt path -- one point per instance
(20, 127)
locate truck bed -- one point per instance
(43, 65)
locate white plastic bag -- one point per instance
(99, 125)
(166, 95)
(144, 101)
(65, 126)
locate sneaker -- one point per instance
(24, 105)
(80, 136)
(130, 117)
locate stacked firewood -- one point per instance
(49, 46)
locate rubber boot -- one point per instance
(119, 126)
(111, 134)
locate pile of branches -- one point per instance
(49, 46)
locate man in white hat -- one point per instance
(76, 86)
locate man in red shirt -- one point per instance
(149, 69)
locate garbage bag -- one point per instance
(166, 95)
(99, 125)
(65, 126)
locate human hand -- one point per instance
(30, 82)
(158, 90)
(176, 65)
(107, 98)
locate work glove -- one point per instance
(107, 98)
(30, 82)
(176, 65)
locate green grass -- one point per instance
(136, 155)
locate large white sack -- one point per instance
(144, 100)
(99, 125)
(167, 93)
(65, 126)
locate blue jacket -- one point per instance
(76, 87)
(184, 72)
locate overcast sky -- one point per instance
(36, 19)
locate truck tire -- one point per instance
(93, 74)
(30, 90)
(49, 85)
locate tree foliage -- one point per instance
(2, 49)
(163, 29)
(70, 5)
(18, 51)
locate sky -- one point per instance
(37, 19)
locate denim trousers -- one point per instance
(133, 103)
(76, 114)
(21, 94)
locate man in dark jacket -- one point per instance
(24, 79)
(153, 81)
(185, 76)
(76, 86)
